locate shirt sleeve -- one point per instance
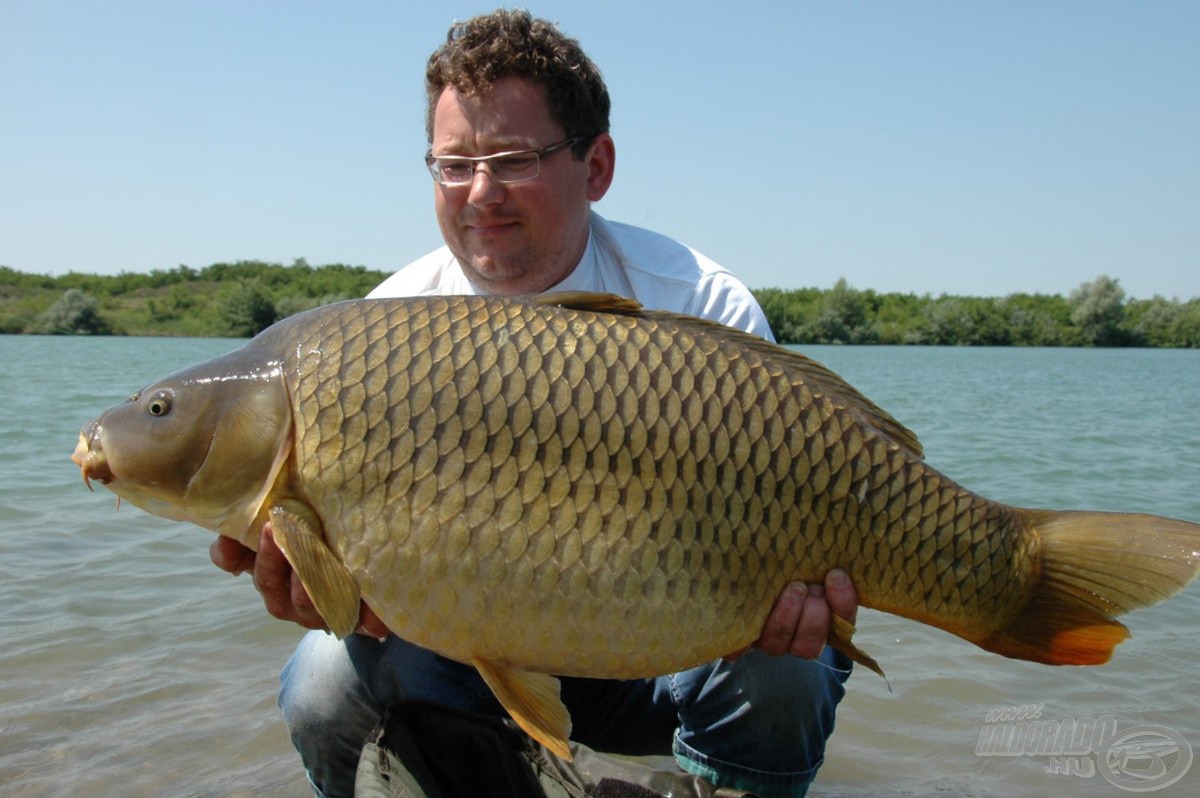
(722, 297)
(664, 274)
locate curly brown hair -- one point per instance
(504, 44)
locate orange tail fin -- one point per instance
(1096, 566)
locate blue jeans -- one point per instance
(758, 723)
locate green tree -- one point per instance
(1150, 322)
(1098, 308)
(788, 311)
(900, 319)
(1185, 330)
(291, 305)
(1038, 320)
(949, 321)
(844, 316)
(75, 313)
(248, 309)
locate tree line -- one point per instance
(225, 299)
(241, 299)
(1097, 313)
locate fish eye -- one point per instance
(159, 404)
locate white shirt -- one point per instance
(657, 271)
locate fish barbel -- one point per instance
(571, 485)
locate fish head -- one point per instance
(204, 445)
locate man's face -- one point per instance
(523, 237)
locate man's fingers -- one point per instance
(780, 628)
(812, 629)
(230, 555)
(800, 621)
(839, 591)
(370, 625)
(798, 624)
(272, 571)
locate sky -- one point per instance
(979, 149)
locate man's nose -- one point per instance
(485, 188)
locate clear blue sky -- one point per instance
(927, 147)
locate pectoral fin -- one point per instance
(532, 700)
(333, 590)
(841, 633)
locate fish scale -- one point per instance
(571, 485)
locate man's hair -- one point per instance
(512, 44)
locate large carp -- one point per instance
(571, 485)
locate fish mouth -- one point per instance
(91, 461)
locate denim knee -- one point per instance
(327, 712)
(759, 723)
(334, 692)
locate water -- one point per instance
(130, 665)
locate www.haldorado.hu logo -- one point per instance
(1137, 759)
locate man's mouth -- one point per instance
(490, 227)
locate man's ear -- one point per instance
(601, 161)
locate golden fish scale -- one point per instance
(613, 495)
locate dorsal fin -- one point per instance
(590, 301)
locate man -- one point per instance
(519, 149)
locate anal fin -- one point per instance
(532, 700)
(841, 633)
(332, 589)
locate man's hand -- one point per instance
(282, 592)
(799, 622)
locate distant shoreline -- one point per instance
(241, 299)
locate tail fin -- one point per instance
(1095, 566)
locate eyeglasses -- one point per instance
(505, 167)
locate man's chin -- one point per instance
(498, 276)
